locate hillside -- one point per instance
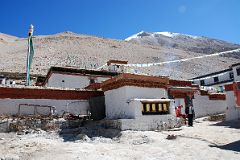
(84, 51)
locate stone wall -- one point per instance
(205, 106)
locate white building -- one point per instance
(116, 66)
(6, 81)
(220, 78)
(215, 79)
(140, 102)
(66, 77)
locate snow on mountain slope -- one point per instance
(155, 34)
(184, 41)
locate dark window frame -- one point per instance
(231, 75)
(238, 71)
(91, 81)
(202, 82)
(216, 79)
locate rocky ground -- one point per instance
(206, 140)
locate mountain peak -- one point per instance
(186, 42)
(157, 34)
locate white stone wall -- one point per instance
(232, 112)
(150, 122)
(10, 106)
(236, 77)
(72, 81)
(203, 106)
(116, 100)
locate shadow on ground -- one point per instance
(87, 132)
(234, 146)
(229, 124)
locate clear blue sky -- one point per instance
(119, 19)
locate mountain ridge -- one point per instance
(186, 42)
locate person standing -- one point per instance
(190, 114)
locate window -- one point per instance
(238, 71)
(155, 108)
(202, 82)
(92, 81)
(215, 79)
(231, 75)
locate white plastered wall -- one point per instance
(116, 100)
(10, 106)
(203, 106)
(232, 112)
(72, 81)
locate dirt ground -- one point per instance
(206, 140)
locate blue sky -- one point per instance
(119, 19)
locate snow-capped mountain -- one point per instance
(184, 41)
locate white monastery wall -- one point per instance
(10, 106)
(203, 106)
(150, 122)
(232, 112)
(71, 81)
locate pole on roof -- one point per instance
(30, 54)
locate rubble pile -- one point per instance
(35, 123)
(218, 117)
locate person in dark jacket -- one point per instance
(190, 114)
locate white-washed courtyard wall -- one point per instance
(232, 111)
(10, 106)
(203, 106)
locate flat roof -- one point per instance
(236, 64)
(47, 93)
(149, 100)
(127, 79)
(81, 71)
(116, 61)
